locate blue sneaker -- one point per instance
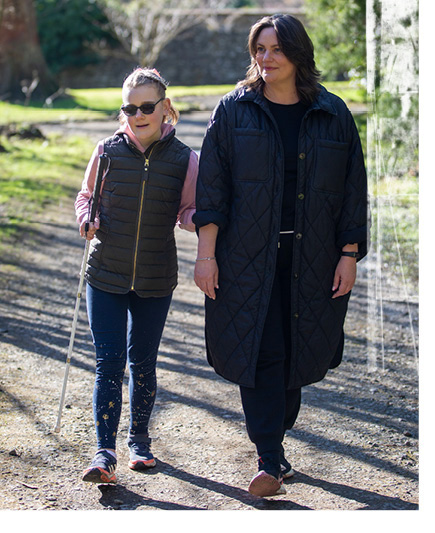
(102, 469)
(141, 457)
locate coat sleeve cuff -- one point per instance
(357, 235)
(202, 218)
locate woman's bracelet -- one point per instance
(205, 258)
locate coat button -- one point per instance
(302, 155)
(301, 196)
(298, 235)
(296, 315)
(296, 275)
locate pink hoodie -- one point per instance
(187, 203)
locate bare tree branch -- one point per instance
(145, 27)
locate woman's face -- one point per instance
(147, 128)
(274, 67)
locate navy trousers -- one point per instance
(270, 408)
(125, 328)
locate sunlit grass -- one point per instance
(36, 175)
(92, 104)
(348, 91)
(96, 104)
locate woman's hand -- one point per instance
(206, 275)
(344, 277)
(206, 272)
(89, 235)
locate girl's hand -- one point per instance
(345, 276)
(91, 230)
(206, 276)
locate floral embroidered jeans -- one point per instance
(125, 328)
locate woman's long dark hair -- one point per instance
(296, 46)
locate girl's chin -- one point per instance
(140, 130)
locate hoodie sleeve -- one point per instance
(187, 203)
(84, 196)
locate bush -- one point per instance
(71, 31)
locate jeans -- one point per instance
(270, 408)
(124, 328)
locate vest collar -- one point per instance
(167, 131)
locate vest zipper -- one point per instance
(146, 166)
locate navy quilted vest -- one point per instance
(134, 249)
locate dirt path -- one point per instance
(354, 446)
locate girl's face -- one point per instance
(275, 68)
(147, 128)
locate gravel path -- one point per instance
(354, 445)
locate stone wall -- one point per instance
(215, 53)
(212, 53)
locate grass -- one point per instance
(91, 104)
(348, 91)
(36, 175)
(95, 104)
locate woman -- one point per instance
(282, 221)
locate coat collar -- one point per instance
(323, 100)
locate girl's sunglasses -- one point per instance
(147, 109)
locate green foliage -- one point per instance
(337, 29)
(70, 32)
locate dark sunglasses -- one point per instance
(147, 109)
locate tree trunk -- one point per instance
(23, 70)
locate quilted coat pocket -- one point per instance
(330, 166)
(251, 155)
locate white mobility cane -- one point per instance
(103, 163)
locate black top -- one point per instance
(289, 119)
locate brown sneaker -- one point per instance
(264, 484)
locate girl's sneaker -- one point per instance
(102, 469)
(141, 457)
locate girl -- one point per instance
(132, 267)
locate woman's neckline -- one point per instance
(284, 105)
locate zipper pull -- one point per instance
(147, 163)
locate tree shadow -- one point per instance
(113, 495)
(371, 500)
(118, 496)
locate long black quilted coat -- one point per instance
(239, 188)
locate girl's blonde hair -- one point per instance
(147, 76)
